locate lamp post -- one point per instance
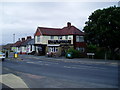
(13, 38)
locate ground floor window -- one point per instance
(81, 49)
(53, 49)
(18, 48)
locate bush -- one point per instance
(91, 48)
(75, 52)
(100, 53)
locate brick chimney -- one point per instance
(23, 39)
(68, 24)
(29, 37)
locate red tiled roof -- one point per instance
(18, 43)
(72, 30)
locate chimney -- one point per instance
(23, 39)
(29, 37)
(18, 39)
(68, 24)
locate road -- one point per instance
(38, 72)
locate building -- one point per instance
(58, 40)
(7, 47)
(16, 47)
(27, 47)
(24, 46)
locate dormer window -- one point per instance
(59, 37)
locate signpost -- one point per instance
(91, 54)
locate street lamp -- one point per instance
(13, 38)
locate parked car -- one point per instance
(2, 56)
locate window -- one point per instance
(79, 39)
(38, 38)
(53, 49)
(24, 48)
(81, 49)
(66, 37)
(18, 48)
(59, 37)
(51, 37)
(69, 37)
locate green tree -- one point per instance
(103, 28)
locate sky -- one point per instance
(23, 18)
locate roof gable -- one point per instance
(38, 32)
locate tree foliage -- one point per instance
(103, 28)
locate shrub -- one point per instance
(75, 52)
(91, 48)
(100, 53)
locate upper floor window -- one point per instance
(51, 37)
(38, 38)
(69, 37)
(66, 37)
(59, 37)
(79, 39)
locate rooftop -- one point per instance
(68, 30)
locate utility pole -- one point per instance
(14, 38)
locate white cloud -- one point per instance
(23, 18)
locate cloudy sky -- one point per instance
(23, 18)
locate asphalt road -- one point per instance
(38, 72)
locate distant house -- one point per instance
(58, 39)
(16, 46)
(30, 47)
(24, 46)
(7, 47)
(27, 46)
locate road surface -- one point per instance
(38, 72)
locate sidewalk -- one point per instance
(64, 59)
(82, 60)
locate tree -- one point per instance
(103, 28)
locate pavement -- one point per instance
(64, 59)
(12, 81)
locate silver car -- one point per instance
(2, 56)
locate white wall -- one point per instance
(44, 39)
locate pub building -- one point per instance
(58, 40)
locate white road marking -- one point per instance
(85, 67)
(30, 62)
(39, 61)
